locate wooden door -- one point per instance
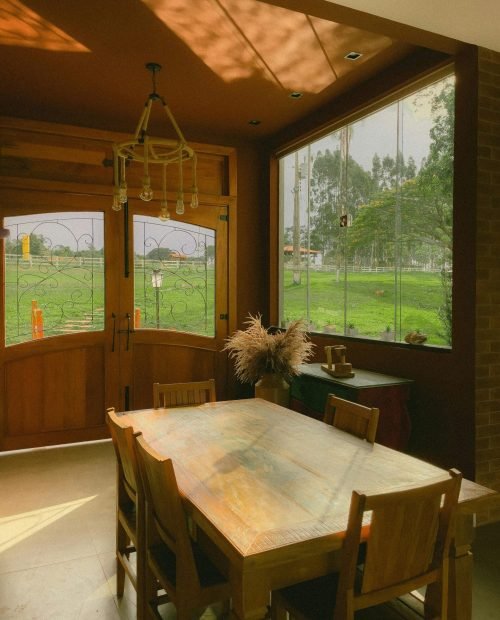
(72, 341)
(172, 319)
(56, 335)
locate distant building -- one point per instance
(315, 256)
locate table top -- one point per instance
(259, 477)
(362, 378)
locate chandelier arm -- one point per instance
(181, 178)
(146, 155)
(142, 125)
(115, 167)
(194, 160)
(164, 183)
(170, 156)
(174, 123)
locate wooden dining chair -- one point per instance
(351, 417)
(405, 547)
(173, 559)
(129, 506)
(183, 394)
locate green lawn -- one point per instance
(70, 296)
(368, 302)
(72, 299)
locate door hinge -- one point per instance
(223, 317)
(224, 218)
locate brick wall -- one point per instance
(488, 278)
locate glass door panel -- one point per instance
(54, 275)
(174, 272)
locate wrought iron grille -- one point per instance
(182, 257)
(54, 275)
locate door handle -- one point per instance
(127, 331)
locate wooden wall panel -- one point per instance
(168, 364)
(54, 392)
(23, 390)
(28, 150)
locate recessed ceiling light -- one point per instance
(254, 121)
(353, 55)
(295, 95)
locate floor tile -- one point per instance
(59, 591)
(57, 541)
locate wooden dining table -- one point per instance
(269, 490)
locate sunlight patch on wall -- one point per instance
(291, 49)
(22, 27)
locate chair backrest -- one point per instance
(123, 442)
(351, 417)
(165, 516)
(183, 394)
(407, 543)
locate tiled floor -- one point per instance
(57, 540)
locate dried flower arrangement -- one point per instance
(257, 351)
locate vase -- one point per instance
(272, 387)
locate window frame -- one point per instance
(345, 117)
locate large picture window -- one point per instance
(366, 223)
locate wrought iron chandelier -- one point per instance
(149, 150)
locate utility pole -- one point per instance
(296, 222)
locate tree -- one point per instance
(391, 172)
(414, 209)
(436, 177)
(159, 254)
(337, 187)
(38, 245)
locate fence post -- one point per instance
(34, 306)
(39, 323)
(36, 321)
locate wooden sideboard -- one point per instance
(390, 394)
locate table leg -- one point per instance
(460, 575)
(460, 584)
(250, 598)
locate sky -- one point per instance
(79, 230)
(374, 133)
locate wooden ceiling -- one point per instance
(225, 62)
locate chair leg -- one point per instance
(150, 592)
(121, 544)
(120, 578)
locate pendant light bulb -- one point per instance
(122, 192)
(179, 205)
(164, 215)
(147, 192)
